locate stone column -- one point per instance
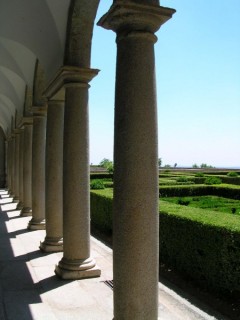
(27, 168)
(2, 159)
(135, 206)
(16, 164)
(12, 171)
(38, 169)
(21, 144)
(76, 262)
(9, 186)
(54, 171)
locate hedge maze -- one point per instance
(199, 224)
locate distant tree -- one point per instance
(110, 168)
(195, 166)
(107, 164)
(175, 165)
(167, 166)
(159, 162)
(205, 166)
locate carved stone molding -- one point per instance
(39, 111)
(124, 16)
(69, 76)
(25, 121)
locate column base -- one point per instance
(36, 225)
(26, 212)
(20, 205)
(51, 245)
(77, 269)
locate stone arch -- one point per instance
(81, 19)
(39, 85)
(7, 110)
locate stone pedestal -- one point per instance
(54, 170)
(135, 205)
(27, 168)
(76, 262)
(38, 169)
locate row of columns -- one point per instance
(60, 181)
(42, 157)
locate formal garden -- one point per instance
(199, 224)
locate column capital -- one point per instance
(39, 111)
(69, 76)
(126, 16)
(17, 131)
(25, 121)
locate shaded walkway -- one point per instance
(30, 290)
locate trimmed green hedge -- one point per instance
(202, 245)
(101, 209)
(101, 176)
(184, 191)
(231, 180)
(227, 191)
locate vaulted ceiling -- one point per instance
(36, 30)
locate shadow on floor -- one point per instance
(20, 290)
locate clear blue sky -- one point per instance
(198, 85)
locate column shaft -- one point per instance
(21, 146)
(76, 262)
(136, 182)
(8, 165)
(2, 159)
(38, 170)
(12, 153)
(54, 172)
(135, 204)
(27, 171)
(16, 165)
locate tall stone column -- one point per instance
(2, 159)
(16, 164)
(12, 153)
(77, 262)
(54, 171)
(21, 144)
(9, 186)
(135, 205)
(38, 169)
(27, 168)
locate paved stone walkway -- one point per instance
(30, 290)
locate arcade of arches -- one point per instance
(45, 71)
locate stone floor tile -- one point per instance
(16, 276)
(26, 305)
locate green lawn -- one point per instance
(214, 203)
